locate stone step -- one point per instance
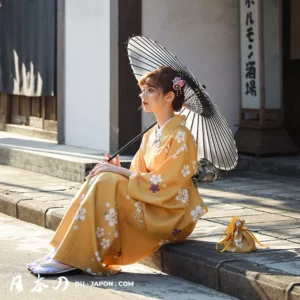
(73, 163)
(31, 132)
(49, 158)
(284, 166)
(268, 273)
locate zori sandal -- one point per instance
(52, 268)
(37, 262)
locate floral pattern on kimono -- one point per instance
(167, 210)
(114, 221)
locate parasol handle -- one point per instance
(128, 144)
(131, 142)
(135, 139)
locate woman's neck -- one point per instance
(163, 118)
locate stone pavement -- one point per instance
(278, 165)
(22, 242)
(269, 204)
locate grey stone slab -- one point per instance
(33, 211)
(293, 196)
(54, 217)
(246, 200)
(279, 187)
(264, 238)
(266, 218)
(23, 189)
(261, 201)
(71, 184)
(201, 223)
(249, 174)
(254, 219)
(271, 257)
(53, 188)
(237, 278)
(62, 203)
(283, 233)
(295, 214)
(199, 233)
(48, 195)
(256, 190)
(284, 166)
(222, 206)
(236, 186)
(3, 186)
(198, 264)
(282, 209)
(294, 240)
(277, 209)
(211, 193)
(291, 267)
(267, 187)
(8, 203)
(209, 200)
(280, 245)
(211, 238)
(251, 281)
(286, 233)
(50, 125)
(294, 294)
(68, 198)
(294, 223)
(36, 162)
(35, 189)
(219, 213)
(207, 242)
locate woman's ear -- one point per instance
(170, 96)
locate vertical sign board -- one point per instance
(250, 53)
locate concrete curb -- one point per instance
(224, 272)
(68, 168)
(283, 166)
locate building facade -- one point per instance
(207, 36)
(97, 95)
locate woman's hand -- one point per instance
(112, 166)
(104, 166)
(115, 161)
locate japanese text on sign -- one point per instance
(250, 53)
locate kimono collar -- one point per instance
(173, 123)
(159, 130)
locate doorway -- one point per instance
(291, 68)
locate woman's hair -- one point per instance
(162, 78)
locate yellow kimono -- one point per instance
(115, 221)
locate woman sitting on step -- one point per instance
(121, 216)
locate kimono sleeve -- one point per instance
(162, 186)
(138, 163)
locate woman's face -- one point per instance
(151, 98)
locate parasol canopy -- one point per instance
(203, 118)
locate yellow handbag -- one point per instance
(238, 238)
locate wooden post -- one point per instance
(25, 108)
(43, 110)
(4, 110)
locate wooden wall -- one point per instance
(38, 112)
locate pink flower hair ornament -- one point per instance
(178, 83)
